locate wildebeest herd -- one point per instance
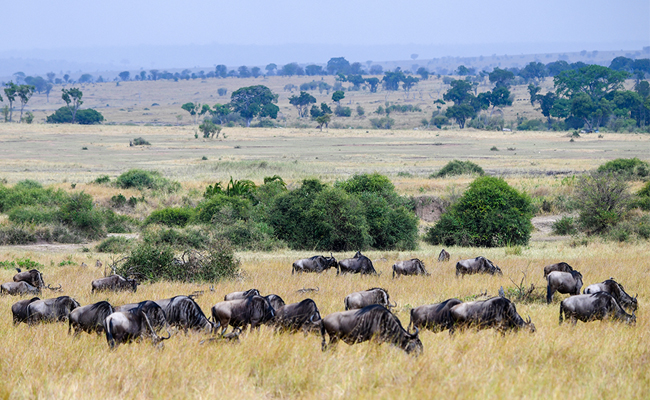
(367, 313)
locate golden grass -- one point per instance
(595, 360)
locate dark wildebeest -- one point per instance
(56, 309)
(410, 267)
(293, 317)
(561, 266)
(33, 277)
(19, 288)
(314, 264)
(155, 313)
(241, 295)
(357, 300)
(254, 310)
(496, 312)
(359, 264)
(590, 307)
(89, 318)
(114, 283)
(373, 322)
(185, 313)
(563, 282)
(443, 256)
(275, 301)
(435, 317)
(125, 326)
(19, 310)
(478, 265)
(616, 290)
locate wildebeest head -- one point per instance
(492, 269)
(443, 256)
(275, 301)
(34, 277)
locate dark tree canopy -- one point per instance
(253, 101)
(338, 65)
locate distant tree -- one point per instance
(221, 71)
(325, 108)
(313, 70)
(460, 92)
(356, 68)
(24, 93)
(533, 91)
(591, 112)
(500, 97)
(424, 73)
(622, 64)
(323, 120)
(50, 77)
(58, 81)
(414, 56)
(291, 69)
(460, 112)
(48, 89)
(463, 70)
(222, 91)
(376, 70)
(220, 112)
(338, 96)
(534, 71)
(11, 91)
(20, 77)
(546, 103)
(270, 69)
(72, 98)
(302, 102)
(501, 77)
(555, 67)
(642, 88)
(143, 75)
(356, 80)
(256, 72)
(408, 82)
(66, 78)
(192, 108)
(124, 75)
(209, 129)
(392, 80)
(594, 80)
(244, 72)
(85, 78)
(338, 65)
(38, 82)
(374, 83)
(252, 101)
(155, 74)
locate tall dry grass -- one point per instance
(594, 360)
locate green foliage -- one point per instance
(242, 187)
(84, 117)
(302, 102)
(489, 214)
(209, 129)
(210, 208)
(629, 168)
(603, 201)
(16, 235)
(139, 141)
(102, 180)
(457, 167)
(22, 263)
(32, 215)
(340, 111)
(171, 217)
(373, 183)
(530, 125)
(382, 123)
(29, 193)
(118, 223)
(252, 101)
(140, 179)
(115, 244)
(565, 226)
(152, 262)
(79, 213)
(178, 239)
(338, 95)
(460, 113)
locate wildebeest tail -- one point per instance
(347, 303)
(561, 311)
(408, 329)
(109, 333)
(322, 333)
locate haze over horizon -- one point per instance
(162, 34)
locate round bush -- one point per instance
(457, 167)
(140, 179)
(171, 217)
(630, 168)
(489, 214)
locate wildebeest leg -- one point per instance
(561, 311)
(549, 294)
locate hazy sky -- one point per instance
(30, 25)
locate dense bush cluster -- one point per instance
(140, 179)
(629, 168)
(84, 117)
(457, 167)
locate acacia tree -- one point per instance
(11, 90)
(253, 101)
(302, 102)
(338, 96)
(124, 75)
(72, 98)
(24, 93)
(323, 120)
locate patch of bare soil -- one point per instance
(544, 228)
(429, 208)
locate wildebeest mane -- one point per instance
(377, 318)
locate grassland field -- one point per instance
(600, 360)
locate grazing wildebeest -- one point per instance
(478, 265)
(254, 310)
(33, 277)
(496, 312)
(590, 307)
(372, 322)
(409, 267)
(241, 295)
(443, 256)
(19, 310)
(365, 298)
(293, 317)
(275, 301)
(114, 283)
(89, 318)
(19, 288)
(155, 313)
(48, 310)
(435, 317)
(314, 264)
(359, 264)
(125, 326)
(563, 282)
(616, 290)
(561, 266)
(185, 313)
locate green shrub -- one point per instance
(249, 235)
(22, 263)
(439, 121)
(531, 125)
(171, 217)
(140, 141)
(118, 200)
(341, 111)
(179, 239)
(390, 226)
(118, 223)
(457, 167)
(79, 213)
(630, 168)
(84, 117)
(239, 207)
(489, 214)
(603, 201)
(115, 244)
(382, 123)
(140, 179)
(32, 215)
(102, 179)
(16, 235)
(564, 226)
(373, 183)
(29, 193)
(151, 262)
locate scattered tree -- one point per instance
(252, 101)
(209, 129)
(124, 75)
(323, 120)
(11, 90)
(338, 96)
(24, 93)
(302, 102)
(72, 98)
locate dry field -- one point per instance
(596, 360)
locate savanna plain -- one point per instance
(602, 360)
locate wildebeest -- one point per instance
(590, 307)
(561, 266)
(48, 310)
(241, 295)
(496, 312)
(314, 264)
(254, 310)
(443, 256)
(89, 318)
(293, 317)
(372, 322)
(125, 326)
(33, 277)
(409, 267)
(563, 282)
(19, 310)
(275, 301)
(114, 283)
(616, 290)
(359, 264)
(155, 313)
(185, 313)
(365, 298)
(478, 265)
(435, 317)
(19, 288)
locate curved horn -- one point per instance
(417, 330)
(55, 289)
(529, 320)
(317, 289)
(393, 305)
